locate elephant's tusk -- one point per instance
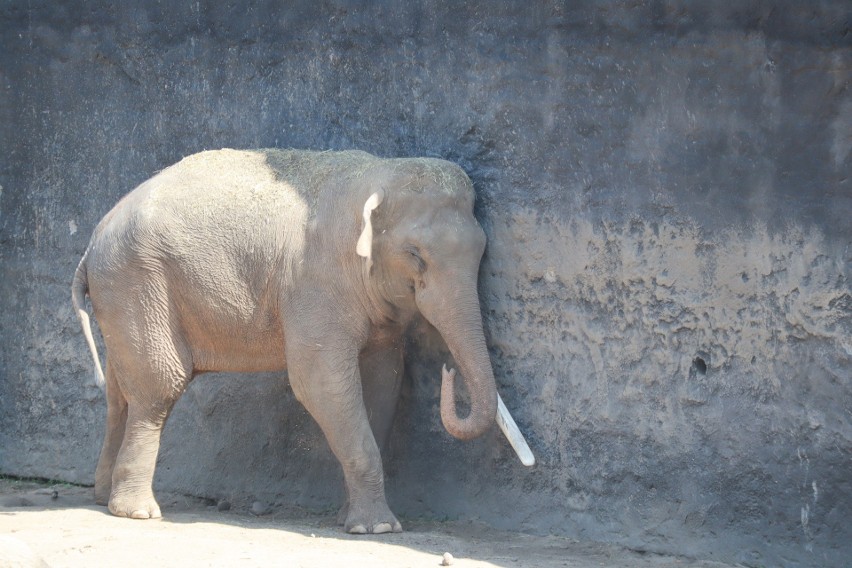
(510, 429)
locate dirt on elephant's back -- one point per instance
(58, 524)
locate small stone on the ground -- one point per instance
(258, 508)
(447, 559)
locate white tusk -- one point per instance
(513, 434)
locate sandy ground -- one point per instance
(61, 526)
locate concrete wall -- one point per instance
(666, 190)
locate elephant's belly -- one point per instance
(228, 344)
(249, 356)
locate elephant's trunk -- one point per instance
(460, 323)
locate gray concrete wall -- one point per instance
(665, 187)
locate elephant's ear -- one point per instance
(365, 241)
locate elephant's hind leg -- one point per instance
(116, 420)
(151, 380)
(133, 475)
(132, 493)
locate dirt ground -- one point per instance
(59, 525)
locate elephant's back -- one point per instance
(229, 188)
(225, 190)
(219, 198)
(214, 230)
(229, 207)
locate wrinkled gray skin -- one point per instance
(246, 261)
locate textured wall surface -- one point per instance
(666, 190)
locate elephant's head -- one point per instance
(422, 247)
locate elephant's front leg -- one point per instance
(381, 368)
(327, 382)
(381, 378)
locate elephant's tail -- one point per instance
(79, 289)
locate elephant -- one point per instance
(273, 260)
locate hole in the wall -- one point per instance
(699, 366)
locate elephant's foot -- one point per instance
(342, 514)
(139, 506)
(373, 519)
(102, 494)
(103, 481)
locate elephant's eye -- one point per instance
(415, 255)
